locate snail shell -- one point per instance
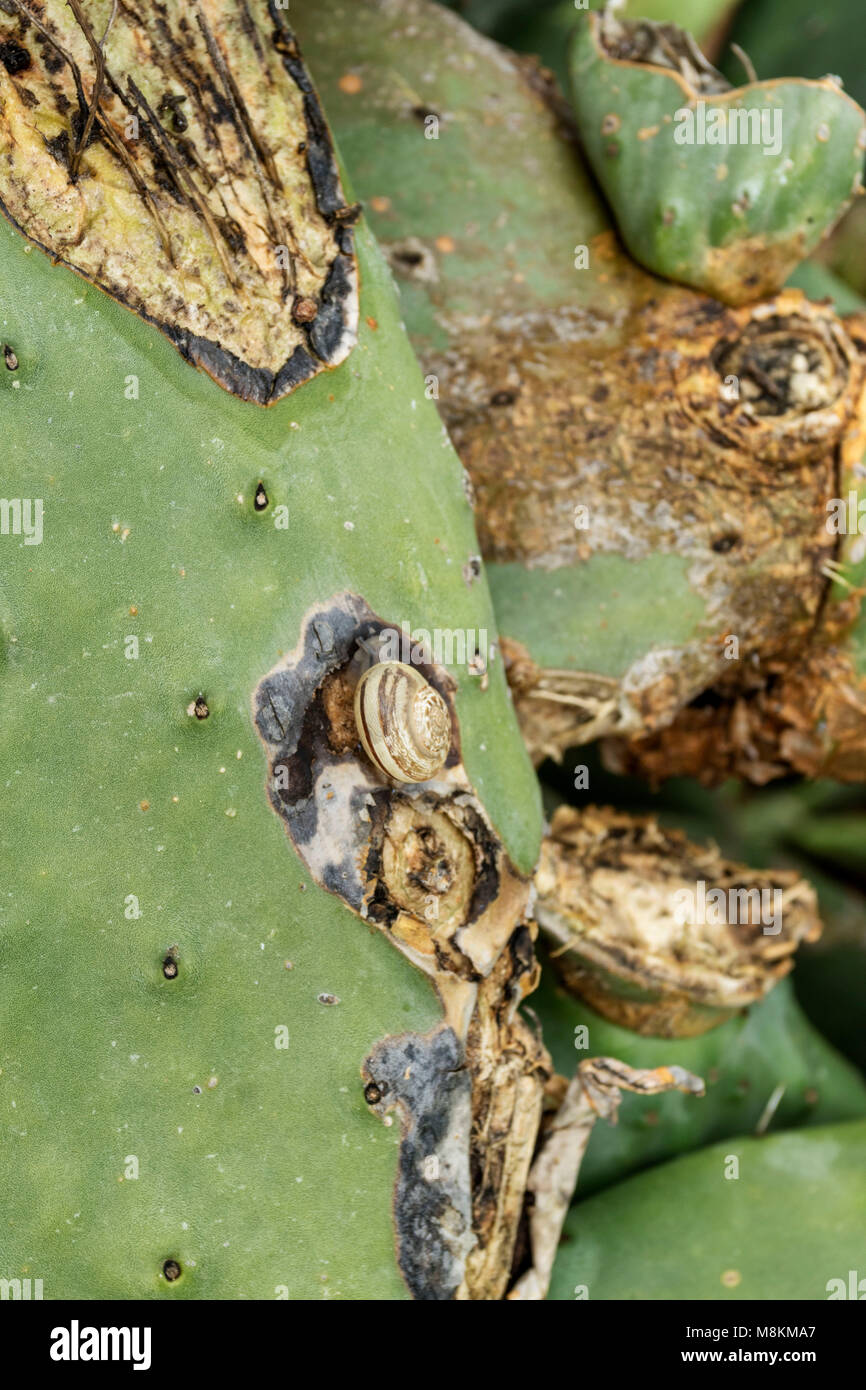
(403, 723)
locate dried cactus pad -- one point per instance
(202, 192)
(725, 189)
(657, 933)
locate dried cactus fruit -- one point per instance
(658, 934)
(724, 189)
(667, 518)
(683, 1232)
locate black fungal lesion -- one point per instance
(14, 57)
(304, 714)
(425, 1080)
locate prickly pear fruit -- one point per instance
(725, 189)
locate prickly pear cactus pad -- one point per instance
(722, 188)
(766, 1070)
(302, 997)
(685, 1232)
(205, 1019)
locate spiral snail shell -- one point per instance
(403, 723)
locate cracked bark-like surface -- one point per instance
(178, 158)
(645, 439)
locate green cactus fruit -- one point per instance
(687, 1229)
(219, 969)
(796, 37)
(546, 29)
(565, 373)
(725, 189)
(768, 1063)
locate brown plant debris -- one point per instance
(809, 720)
(177, 157)
(657, 933)
(592, 1093)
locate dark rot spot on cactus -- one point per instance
(198, 708)
(170, 966)
(10, 358)
(782, 367)
(327, 998)
(171, 1270)
(170, 106)
(424, 1080)
(260, 501)
(421, 862)
(14, 58)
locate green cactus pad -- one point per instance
(742, 1063)
(186, 1010)
(789, 1226)
(719, 188)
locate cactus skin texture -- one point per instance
(151, 900)
(742, 1063)
(557, 386)
(685, 1232)
(730, 218)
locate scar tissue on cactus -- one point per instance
(725, 189)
